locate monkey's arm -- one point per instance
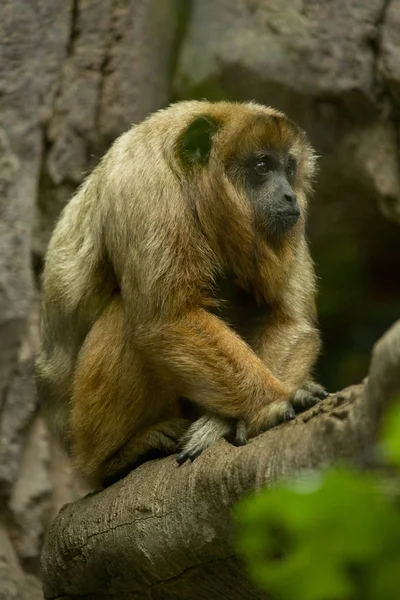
(217, 369)
(289, 348)
(289, 342)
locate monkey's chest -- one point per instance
(238, 307)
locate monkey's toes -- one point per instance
(182, 457)
(192, 449)
(241, 434)
(188, 455)
(202, 433)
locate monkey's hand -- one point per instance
(207, 430)
(308, 395)
(280, 411)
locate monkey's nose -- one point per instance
(290, 198)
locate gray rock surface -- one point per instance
(279, 49)
(115, 73)
(390, 47)
(14, 583)
(33, 38)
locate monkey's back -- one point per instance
(129, 214)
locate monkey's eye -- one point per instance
(291, 167)
(263, 165)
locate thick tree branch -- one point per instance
(165, 531)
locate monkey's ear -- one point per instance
(197, 140)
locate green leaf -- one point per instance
(321, 538)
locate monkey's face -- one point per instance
(268, 177)
(259, 164)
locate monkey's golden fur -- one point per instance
(129, 317)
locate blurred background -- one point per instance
(74, 74)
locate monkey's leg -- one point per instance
(115, 397)
(215, 368)
(156, 442)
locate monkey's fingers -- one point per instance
(309, 395)
(270, 416)
(315, 389)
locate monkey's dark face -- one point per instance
(265, 158)
(269, 178)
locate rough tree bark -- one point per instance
(165, 532)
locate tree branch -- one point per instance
(165, 532)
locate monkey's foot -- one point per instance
(207, 430)
(311, 393)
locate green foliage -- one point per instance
(327, 536)
(391, 435)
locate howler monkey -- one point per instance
(178, 276)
